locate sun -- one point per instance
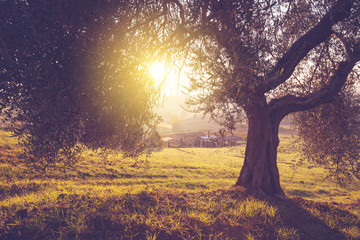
(157, 71)
(167, 79)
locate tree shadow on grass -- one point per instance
(145, 215)
(18, 189)
(312, 220)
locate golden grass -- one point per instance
(174, 194)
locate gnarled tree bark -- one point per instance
(260, 171)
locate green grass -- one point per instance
(174, 194)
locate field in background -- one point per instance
(178, 120)
(174, 194)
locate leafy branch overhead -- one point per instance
(71, 74)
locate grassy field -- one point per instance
(174, 194)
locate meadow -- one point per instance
(173, 194)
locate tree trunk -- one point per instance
(259, 172)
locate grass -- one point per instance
(174, 194)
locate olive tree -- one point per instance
(72, 73)
(263, 60)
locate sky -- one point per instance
(172, 82)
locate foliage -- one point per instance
(71, 74)
(330, 136)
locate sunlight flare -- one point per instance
(158, 73)
(168, 78)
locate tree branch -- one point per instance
(181, 7)
(146, 21)
(281, 107)
(318, 34)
